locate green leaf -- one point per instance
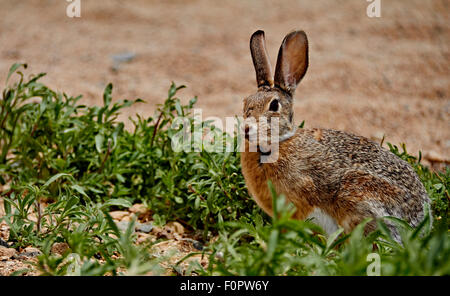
(13, 69)
(56, 177)
(120, 202)
(438, 186)
(399, 222)
(172, 90)
(331, 241)
(112, 224)
(178, 108)
(273, 242)
(7, 206)
(99, 139)
(107, 95)
(120, 178)
(79, 189)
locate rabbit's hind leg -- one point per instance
(363, 195)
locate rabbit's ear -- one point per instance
(292, 61)
(261, 59)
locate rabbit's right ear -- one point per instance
(292, 61)
(261, 59)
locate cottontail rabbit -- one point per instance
(333, 177)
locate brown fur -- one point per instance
(348, 177)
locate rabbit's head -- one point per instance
(274, 98)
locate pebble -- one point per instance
(198, 245)
(3, 243)
(219, 255)
(144, 227)
(59, 248)
(156, 230)
(143, 237)
(122, 225)
(121, 58)
(6, 253)
(175, 227)
(139, 227)
(98, 256)
(138, 209)
(118, 215)
(30, 252)
(126, 219)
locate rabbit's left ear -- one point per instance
(292, 61)
(261, 59)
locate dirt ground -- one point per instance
(369, 76)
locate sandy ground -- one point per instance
(369, 76)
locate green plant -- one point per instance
(64, 166)
(291, 247)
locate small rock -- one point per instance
(143, 237)
(144, 227)
(219, 255)
(30, 252)
(3, 243)
(59, 248)
(138, 209)
(98, 256)
(115, 256)
(175, 227)
(122, 225)
(123, 57)
(198, 245)
(6, 253)
(126, 219)
(118, 215)
(156, 230)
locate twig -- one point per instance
(108, 152)
(156, 128)
(38, 207)
(194, 191)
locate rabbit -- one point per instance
(332, 177)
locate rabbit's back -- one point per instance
(359, 152)
(353, 173)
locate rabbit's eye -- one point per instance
(274, 106)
